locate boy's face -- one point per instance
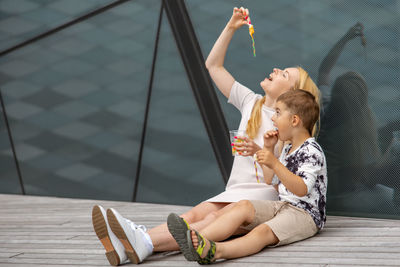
(282, 119)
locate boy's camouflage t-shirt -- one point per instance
(307, 161)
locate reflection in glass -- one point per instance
(349, 138)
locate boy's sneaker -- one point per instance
(115, 252)
(134, 238)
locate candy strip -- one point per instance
(255, 166)
(251, 32)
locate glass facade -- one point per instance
(177, 150)
(76, 99)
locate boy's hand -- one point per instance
(239, 18)
(270, 139)
(266, 157)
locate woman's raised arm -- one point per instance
(215, 60)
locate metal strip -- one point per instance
(12, 144)
(201, 84)
(61, 27)
(146, 113)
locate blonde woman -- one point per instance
(256, 111)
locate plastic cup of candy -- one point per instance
(235, 138)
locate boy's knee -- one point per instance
(262, 229)
(265, 231)
(246, 208)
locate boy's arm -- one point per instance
(270, 140)
(291, 181)
(268, 174)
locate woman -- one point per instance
(256, 113)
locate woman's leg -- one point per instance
(249, 244)
(198, 217)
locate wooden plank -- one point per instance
(322, 261)
(98, 262)
(41, 265)
(318, 249)
(334, 232)
(4, 254)
(43, 235)
(46, 231)
(84, 250)
(270, 253)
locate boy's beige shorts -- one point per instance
(289, 223)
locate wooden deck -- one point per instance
(47, 231)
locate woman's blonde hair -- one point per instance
(306, 83)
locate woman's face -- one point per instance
(280, 81)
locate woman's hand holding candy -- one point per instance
(239, 18)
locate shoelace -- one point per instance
(148, 243)
(135, 226)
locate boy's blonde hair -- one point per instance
(302, 104)
(304, 82)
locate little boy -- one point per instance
(300, 179)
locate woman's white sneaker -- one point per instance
(115, 251)
(134, 238)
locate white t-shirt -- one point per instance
(242, 183)
(307, 161)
